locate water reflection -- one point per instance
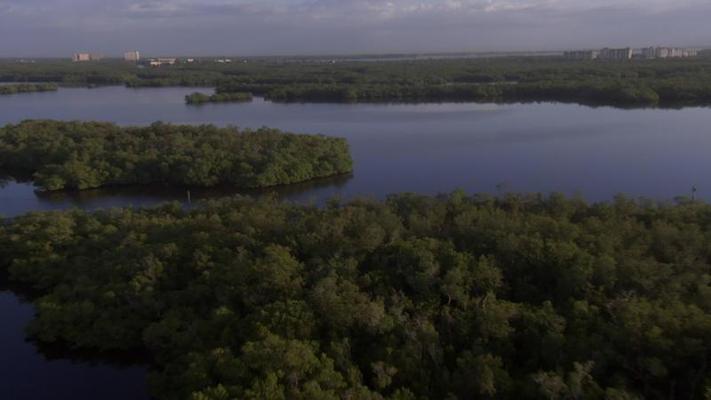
(146, 195)
(428, 148)
(17, 198)
(31, 372)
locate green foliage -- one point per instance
(456, 297)
(82, 155)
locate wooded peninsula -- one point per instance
(82, 155)
(412, 298)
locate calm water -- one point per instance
(28, 374)
(432, 148)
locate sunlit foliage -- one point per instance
(82, 155)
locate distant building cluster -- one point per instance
(604, 54)
(616, 54)
(157, 62)
(134, 56)
(628, 53)
(668, 52)
(84, 57)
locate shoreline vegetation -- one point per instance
(20, 88)
(414, 297)
(232, 97)
(85, 155)
(591, 94)
(639, 83)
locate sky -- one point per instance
(34, 28)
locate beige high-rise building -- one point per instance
(78, 57)
(84, 57)
(132, 56)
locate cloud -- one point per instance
(326, 26)
(324, 9)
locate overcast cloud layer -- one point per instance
(265, 27)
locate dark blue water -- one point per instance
(27, 374)
(432, 148)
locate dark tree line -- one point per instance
(617, 93)
(668, 83)
(519, 297)
(81, 155)
(27, 88)
(233, 97)
(640, 83)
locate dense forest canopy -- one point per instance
(456, 297)
(18, 88)
(664, 82)
(81, 155)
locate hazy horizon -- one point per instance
(58, 28)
